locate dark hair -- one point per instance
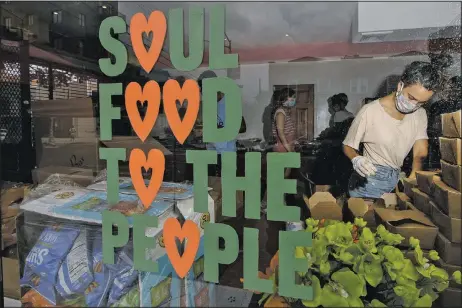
(367, 100)
(279, 97)
(343, 98)
(428, 74)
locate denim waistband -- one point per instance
(387, 170)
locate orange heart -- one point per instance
(157, 24)
(151, 94)
(156, 161)
(172, 92)
(173, 230)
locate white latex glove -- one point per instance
(363, 166)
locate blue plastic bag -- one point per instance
(75, 273)
(42, 286)
(97, 292)
(52, 247)
(125, 275)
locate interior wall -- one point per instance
(358, 78)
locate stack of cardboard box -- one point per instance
(446, 205)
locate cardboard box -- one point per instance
(388, 200)
(450, 124)
(451, 297)
(408, 223)
(409, 184)
(358, 207)
(422, 202)
(451, 150)
(10, 272)
(449, 227)
(75, 154)
(452, 175)
(448, 199)
(216, 194)
(322, 205)
(404, 202)
(133, 142)
(80, 176)
(450, 253)
(425, 180)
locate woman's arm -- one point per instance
(350, 152)
(419, 153)
(280, 119)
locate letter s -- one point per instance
(41, 254)
(113, 45)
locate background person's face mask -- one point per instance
(290, 102)
(404, 105)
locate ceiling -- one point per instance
(256, 24)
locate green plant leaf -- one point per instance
(433, 255)
(413, 242)
(324, 268)
(367, 241)
(457, 277)
(409, 294)
(312, 222)
(409, 271)
(394, 256)
(371, 270)
(424, 301)
(349, 281)
(391, 272)
(361, 223)
(377, 304)
(330, 298)
(317, 293)
(355, 302)
(339, 235)
(419, 256)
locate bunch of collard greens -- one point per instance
(351, 266)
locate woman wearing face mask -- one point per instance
(284, 133)
(389, 128)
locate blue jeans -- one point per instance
(384, 181)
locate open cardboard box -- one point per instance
(422, 201)
(80, 176)
(451, 297)
(388, 200)
(404, 202)
(450, 124)
(425, 180)
(450, 253)
(449, 227)
(322, 205)
(448, 199)
(357, 207)
(409, 184)
(408, 223)
(452, 175)
(451, 150)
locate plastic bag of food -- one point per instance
(41, 286)
(33, 299)
(50, 250)
(97, 292)
(131, 299)
(125, 275)
(75, 273)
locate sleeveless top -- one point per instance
(289, 130)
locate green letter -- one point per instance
(107, 112)
(233, 109)
(250, 184)
(251, 279)
(200, 161)
(196, 38)
(288, 264)
(141, 243)
(213, 256)
(113, 45)
(112, 157)
(110, 240)
(218, 59)
(278, 186)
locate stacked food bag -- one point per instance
(62, 251)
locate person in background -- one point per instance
(339, 103)
(368, 100)
(284, 134)
(390, 128)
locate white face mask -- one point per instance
(403, 105)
